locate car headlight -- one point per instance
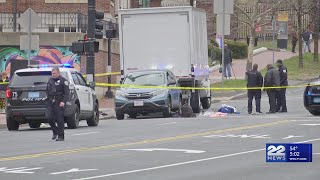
(158, 92)
(122, 94)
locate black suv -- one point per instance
(27, 99)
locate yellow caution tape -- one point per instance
(196, 88)
(105, 74)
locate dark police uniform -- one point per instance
(281, 98)
(272, 79)
(57, 92)
(254, 80)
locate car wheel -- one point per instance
(120, 116)
(34, 124)
(73, 121)
(315, 113)
(133, 116)
(168, 112)
(195, 102)
(206, 102)
(180, 107)
(12, 125)
(94, 120)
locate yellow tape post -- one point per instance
(196, 88)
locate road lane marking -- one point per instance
(20, 170)
(291, 136)
(81, 134)
(167, 123)
(266, 136)
(309, 124)
(316, 153)
(166, 139)
(3, 132)
(182, 163)
(164, 149)
(73, 170)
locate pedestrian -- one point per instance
(294, 40)
(226, 71)
(58, 94)
(306, 37)
(254, 80)
(213, 55)
(281, 98)
(271, 81)
(4, 85)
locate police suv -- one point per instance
(27, 99)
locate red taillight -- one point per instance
(8, 93)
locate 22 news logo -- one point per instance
(276, 153)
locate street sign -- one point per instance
(218, 4)
(24, 44)
(220, 24)
(29, 17)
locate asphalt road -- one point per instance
(224, 148)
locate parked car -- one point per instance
(134, 101)
(311, 98)
(26, 98)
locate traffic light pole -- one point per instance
(90, 69)
(109, 93)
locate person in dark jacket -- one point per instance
(58, 95)
(281, 96)
(294, 40)
(226, 71)
(306, 37)
(271, 80)
(254, 80)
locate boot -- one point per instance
(60, 138)
(54, 137)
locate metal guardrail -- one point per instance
(53, 22)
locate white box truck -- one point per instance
(173, 38)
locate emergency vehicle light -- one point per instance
(67, 65)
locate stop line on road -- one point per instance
(26, 170)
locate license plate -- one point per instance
(316, 100)
(33, 94)
(138, 103)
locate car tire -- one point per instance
(94, 120)
(195, 102)
(206, 102)
(120, 116)
(315, 113)
(133, 116)
(34, 125)
(12, 125)
(73, 121)
(168, 113)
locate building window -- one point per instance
(2, 1)
(144, 3)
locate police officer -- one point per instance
(281, 96)
(254, 80)
(271, 80)
(58, 94)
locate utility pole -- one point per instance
(14, 15)
(91, 36)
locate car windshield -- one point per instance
(33, 78)
(145, 79)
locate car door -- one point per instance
(81, 93)
(174, 93)
(87, 93)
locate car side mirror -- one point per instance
(92, 85)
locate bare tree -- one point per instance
(301, 9)
(316, 14)
(251, 19)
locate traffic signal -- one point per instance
(90, 46)
(99, 24)
(78, 48)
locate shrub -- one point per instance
(239, 49)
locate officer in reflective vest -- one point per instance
(58, 95)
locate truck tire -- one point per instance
(206, 102)
(168, 113)
(34, 124)
(94, 119)
(195, 102)
(12, 125)
(120, 116)
(73, 121)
